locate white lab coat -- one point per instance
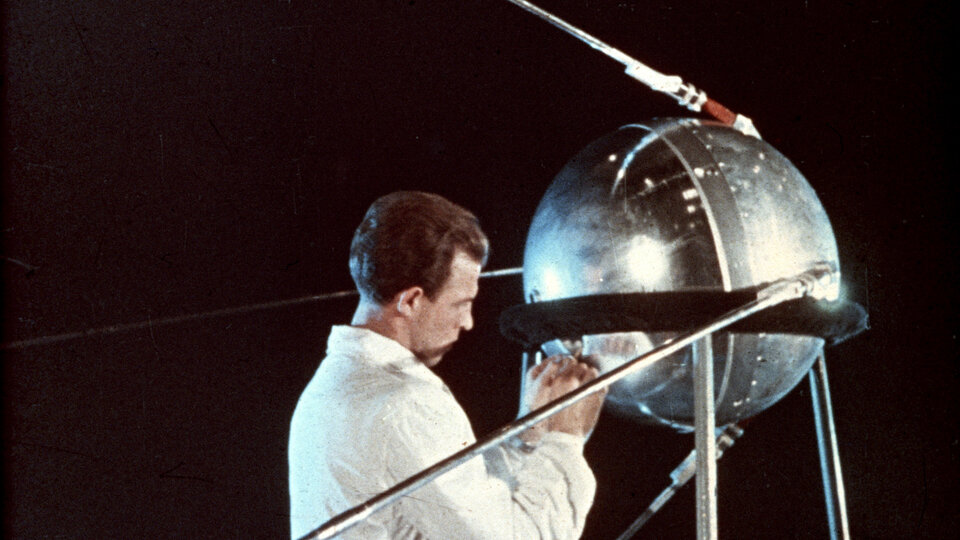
(374, 415)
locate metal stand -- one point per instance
(527, 361)
(706, 441)
(706, 469)
(726, 436)
(829, 457)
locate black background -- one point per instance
(165, 158)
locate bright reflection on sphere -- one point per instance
(645, 256)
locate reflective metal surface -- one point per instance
(677, 205)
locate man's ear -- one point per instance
(408, 301)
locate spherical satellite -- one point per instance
(680, 206)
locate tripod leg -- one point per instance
(527, 361)
(680, 476)
(706, 442)
(829, 457)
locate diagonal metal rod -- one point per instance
(830, 470)
(685, 93)
(810, 283)
(679, 478)
(612, 52)
(223, 312)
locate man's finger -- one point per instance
(579, 371)
(589, 374)
(535, 371)
(550, 373)
(562, 363)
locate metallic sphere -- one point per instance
(681, 205)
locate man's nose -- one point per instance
(467, 322)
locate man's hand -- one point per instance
(551, 379)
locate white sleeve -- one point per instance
(551, 491)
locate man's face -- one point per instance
(439, 321)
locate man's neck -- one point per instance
(379, 319)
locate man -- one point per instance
(375, 414)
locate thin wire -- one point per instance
(223, 312)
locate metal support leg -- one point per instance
(829, 457)
(527, 361)
(706, 442)
(679, 478)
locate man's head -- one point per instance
(417, 256)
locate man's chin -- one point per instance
(433, 357)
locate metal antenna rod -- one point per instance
(687, 469)
(203, 315)
(685, 93)
(829, 454)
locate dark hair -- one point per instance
(409, 238)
